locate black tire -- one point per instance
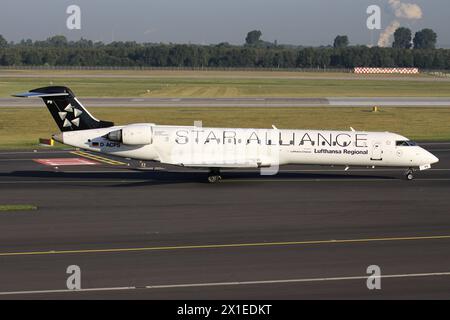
(409, 176)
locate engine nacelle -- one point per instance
(138, 134)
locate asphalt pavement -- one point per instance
(164, 233)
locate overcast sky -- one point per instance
(305, 22)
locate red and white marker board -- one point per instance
(364, 70)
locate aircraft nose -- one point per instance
(435, 159)
(432, 158)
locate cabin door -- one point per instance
(377, 152)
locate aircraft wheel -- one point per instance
(409, 175)
(214, 175)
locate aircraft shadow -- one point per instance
(146, 177)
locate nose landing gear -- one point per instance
(409, 174)
(214, 175)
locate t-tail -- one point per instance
(67, 111)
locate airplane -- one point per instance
(224, 148)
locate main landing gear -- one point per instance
(409, 174)
(214, 175)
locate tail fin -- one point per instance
(68, 113)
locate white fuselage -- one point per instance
(192, 146)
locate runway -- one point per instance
(243, 102)
(163, 233)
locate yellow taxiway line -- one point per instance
(98, 158)
(219, 246)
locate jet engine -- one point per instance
(132, 135)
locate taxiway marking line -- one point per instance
(97, 158)
(221, 246)
(232, 283)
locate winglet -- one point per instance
(351, 128)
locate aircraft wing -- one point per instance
(201, 161)
(220, 165)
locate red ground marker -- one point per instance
(66, 162)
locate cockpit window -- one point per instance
(406, 143)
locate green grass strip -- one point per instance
(17, 207)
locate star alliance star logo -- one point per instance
(70, 116)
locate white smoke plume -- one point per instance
(386, 35)
(406, 10)
(409, 11)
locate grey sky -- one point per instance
(306, 22)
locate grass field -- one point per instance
(17, 207)
(21, 128)
(224, 86)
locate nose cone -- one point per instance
(434, 159)
(431, 158)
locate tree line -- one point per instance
(255, 53)
(423, 39)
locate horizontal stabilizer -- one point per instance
(39, 94)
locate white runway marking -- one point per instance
(55, 162)
(235, 283)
